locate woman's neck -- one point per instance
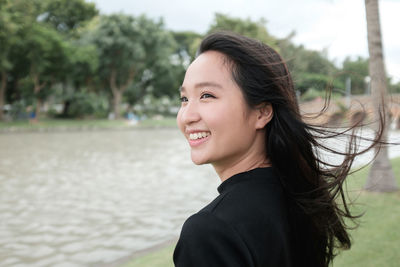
(225, 171)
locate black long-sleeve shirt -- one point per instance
(248, 224)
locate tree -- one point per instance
(301, 60)
(16, 18)
(187, 45)
(67, 15)
(40, 48)
(7, 39)
(381, 177)
(129, 49)
(253, 29)
(357, 70)
(317, 82)
(34, 52)
(47, 58)
(395, 88)
(310, 69)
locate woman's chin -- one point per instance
(199, 160)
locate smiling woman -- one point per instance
(277, 203)
(213, 108)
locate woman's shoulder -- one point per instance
(250, 202)
(206, 240)
(203, 223)
(259, 239)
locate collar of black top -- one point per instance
(245, 176)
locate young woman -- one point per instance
(277, 202)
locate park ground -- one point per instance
(376, 242)
(74, 124)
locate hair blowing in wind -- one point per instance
(294, 147)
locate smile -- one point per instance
(199, 135)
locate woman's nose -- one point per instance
(189, 113)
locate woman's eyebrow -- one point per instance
(202, 84)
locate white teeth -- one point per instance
(195, 136)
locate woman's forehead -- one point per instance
(208, 67)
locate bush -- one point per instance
(320, 82)
(312, 94)
(86, 104)
(157, 106)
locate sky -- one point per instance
(338, 26)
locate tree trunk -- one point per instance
(3, 88)
(381, 177)
(118, 91)
(37, 109)
(36, 90)
(117, 94)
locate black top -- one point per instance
(246, 225)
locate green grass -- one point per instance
(165, 122)
(376, 242)
(59, 124)
(161, 258)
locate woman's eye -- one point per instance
(183, 99)
(206, 96)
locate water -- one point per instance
(91, 198)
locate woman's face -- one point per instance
(214, 117)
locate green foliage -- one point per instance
(318, 82)
(26, 93)
(247, 27)
(137, 53)
(36, 48)
(47, 52)
(119, 41)
(19, 110)
(394, 88)
(312, 94)
(7, 32)
(357, 70)
(301, 60)
(83, 63)
(67, 15)
(50, 43)
(158, 72)
(151, 106)
(83, 104)
(187, 45)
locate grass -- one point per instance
(376, 242)
(166, 122)
(161, 258)
(60, 124)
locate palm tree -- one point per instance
(381, 177)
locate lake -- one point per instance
(91, 198)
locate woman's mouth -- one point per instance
(198, 138)
(199, 135)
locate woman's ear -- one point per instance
(264, 115)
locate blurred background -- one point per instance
(93, 171)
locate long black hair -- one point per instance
(314, 186)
